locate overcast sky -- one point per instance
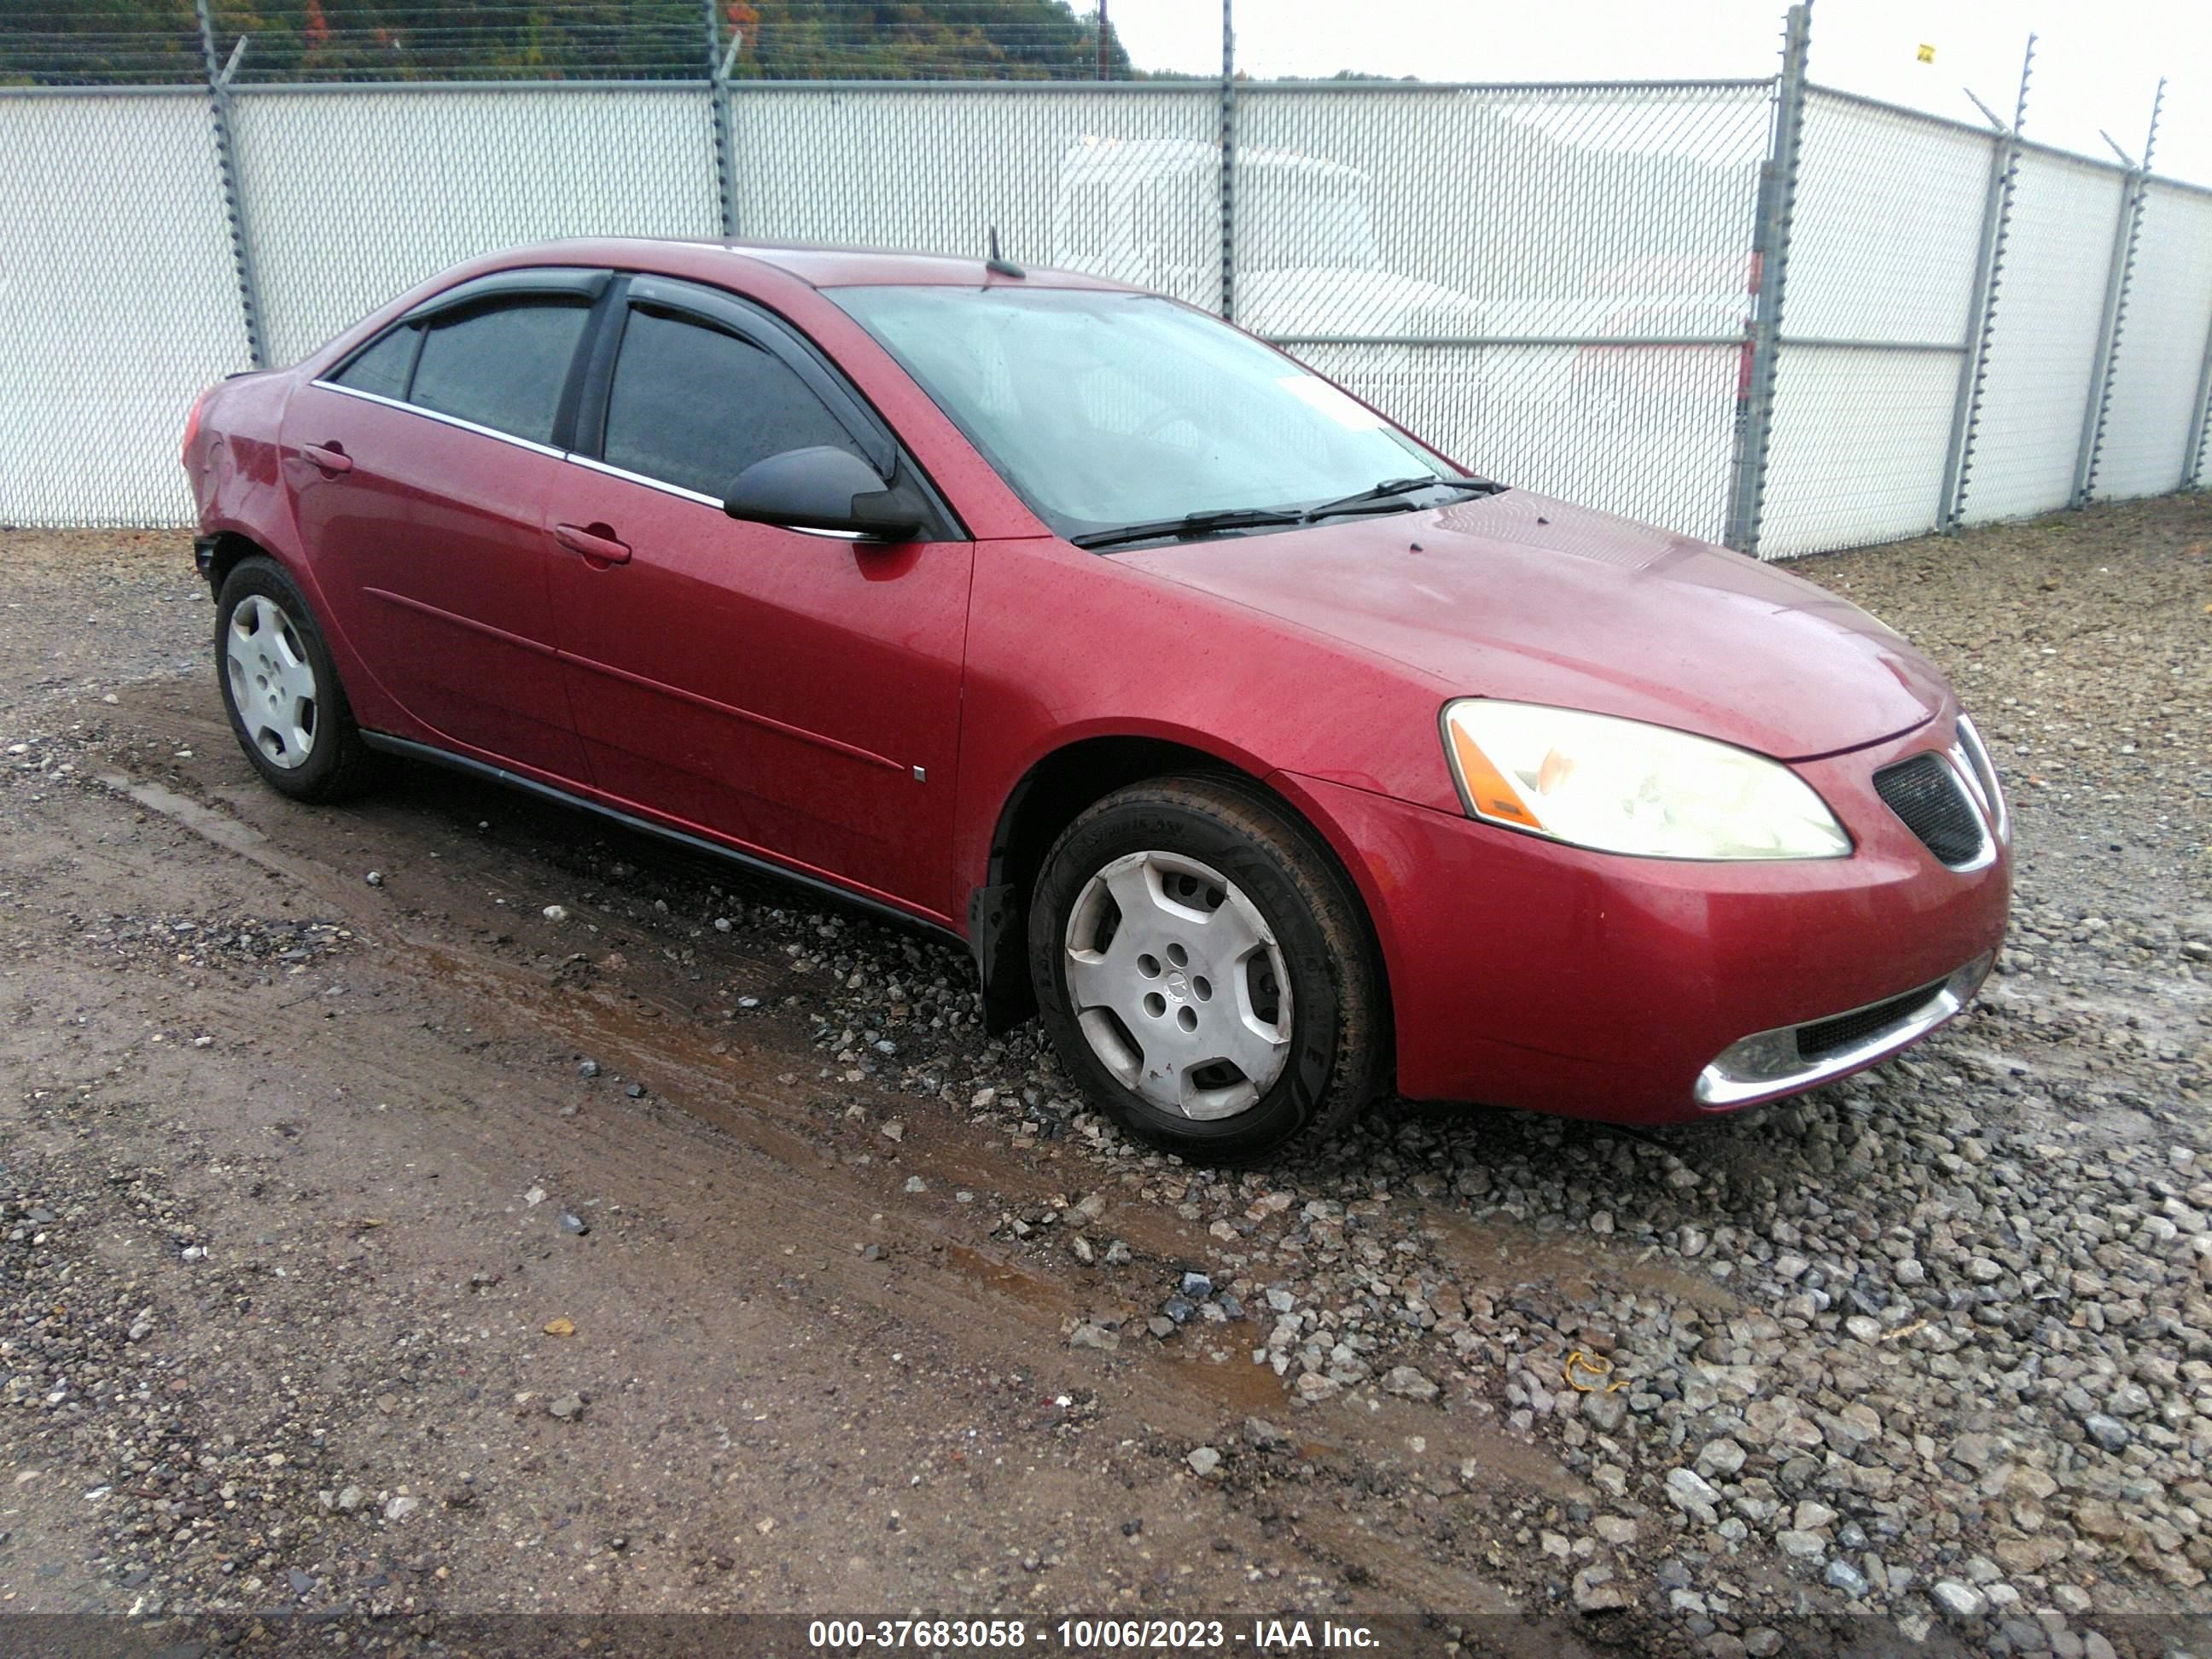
(2096, 61)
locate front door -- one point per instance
(797, 693)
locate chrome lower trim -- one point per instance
(443, 419)
(1769, 1063)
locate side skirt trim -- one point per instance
(408, 749)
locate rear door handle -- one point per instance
(597, 543)
(331, 457)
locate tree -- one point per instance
(124, 41)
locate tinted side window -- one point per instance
(695, 407)
(502, 368)
(383, 368)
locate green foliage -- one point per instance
(903, 39)
(111, 41)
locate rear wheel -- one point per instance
(281, 690)
(1204, 970)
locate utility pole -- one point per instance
(1101, 40)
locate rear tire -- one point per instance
(1205, 970)
(281, 690)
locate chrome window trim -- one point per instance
(536, 448)
(444, 419)
(628, 477)
(682, 493)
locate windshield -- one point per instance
(1104, 410)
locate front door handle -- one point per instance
(331, 457)
(596, 543)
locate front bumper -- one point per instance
(1524, 973)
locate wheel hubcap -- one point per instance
(1178, 985)
(272, 685)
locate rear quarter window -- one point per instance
(384, 367)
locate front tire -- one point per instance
(1204, 970)
(281, 690)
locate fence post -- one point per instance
(1228, 166)
(2193, 457)
(233, 206)
(1778, 194)
(1981, 320)
(718, 108)
(2126, 234)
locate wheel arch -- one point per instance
(1047, 798)
(220, 554)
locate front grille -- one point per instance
(1827, 1037)
(1926, 793)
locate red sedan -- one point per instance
(1271, 757)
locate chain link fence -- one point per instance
(337, 230)
(1549, 283)
(1120, 180)
(119, 301)
(1577, 288)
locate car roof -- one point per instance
(705, 259)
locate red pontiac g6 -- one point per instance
(1270, 757)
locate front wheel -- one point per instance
(281, 690)
(1204, 970)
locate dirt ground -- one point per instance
(379, 1254)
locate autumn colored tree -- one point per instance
(109, 41)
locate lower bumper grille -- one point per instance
(1791, 1058)
(1825, 1037)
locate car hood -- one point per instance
(1519, 596)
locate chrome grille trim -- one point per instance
(1981, 771)
(1954, 769)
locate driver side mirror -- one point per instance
(824, 488)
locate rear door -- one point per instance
(799, 694)
(420, 469)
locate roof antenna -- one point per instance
(998, 263)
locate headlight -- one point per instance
(1619, 785)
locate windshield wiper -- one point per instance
(1191, 523)
(1382, 495)
(1381, 498)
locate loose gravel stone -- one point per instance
(1406, 1381)
(1959, 1601)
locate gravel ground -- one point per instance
(306, 1171)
